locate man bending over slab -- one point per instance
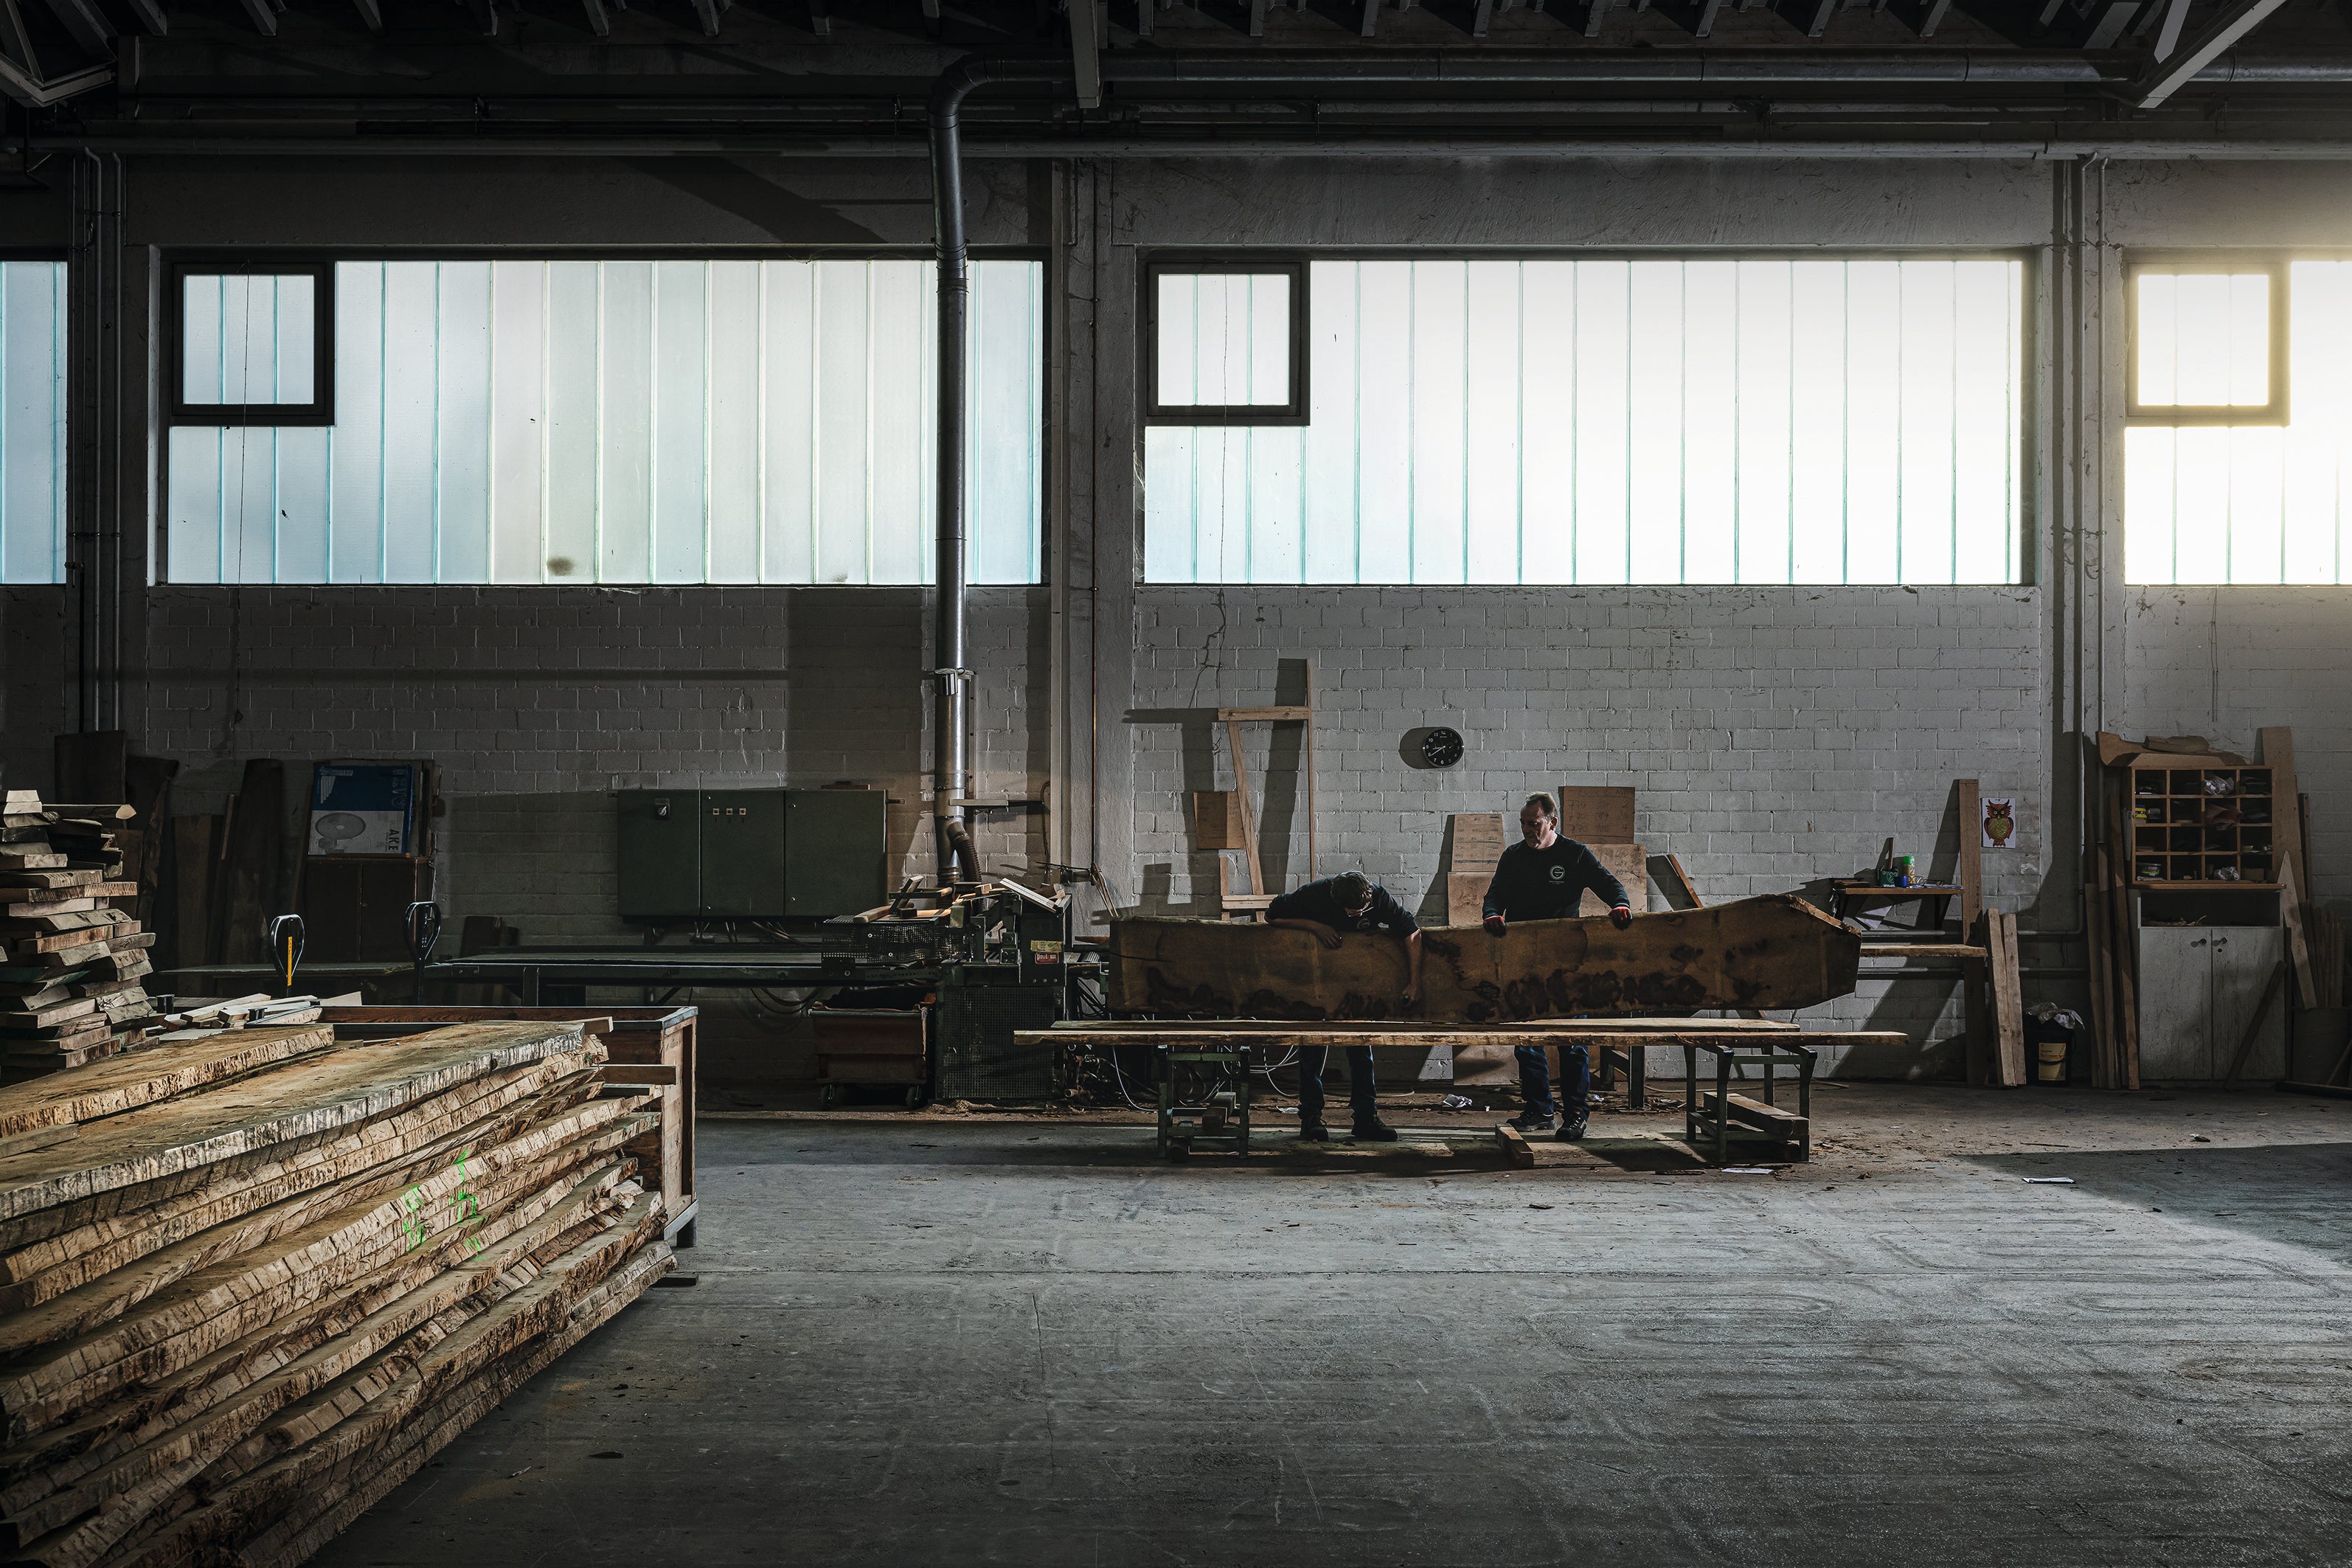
(1349, 901)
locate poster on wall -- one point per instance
(363, 808)
(1999, 824)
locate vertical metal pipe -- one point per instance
(950, 780)
(952, 704)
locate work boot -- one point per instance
(1313, 1132)
(1374, 1132)
(1532, 1121)
(1571, 1130)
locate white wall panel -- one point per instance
(462, 355)
(518, 295)
(1757, 421)
(628, 422)
(32, 421)
(733, 544)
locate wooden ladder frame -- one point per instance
(1253, 903)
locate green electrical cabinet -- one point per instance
(833, 851)
(749, 854)
(660, 865)
(743, 855)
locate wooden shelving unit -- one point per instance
(2209, 827)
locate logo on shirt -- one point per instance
(1559, 873)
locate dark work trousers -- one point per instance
(1575, 1078)
(1361, 1097)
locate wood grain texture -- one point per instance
(89, 1094)
(1768, 952)
(302, 1098)
(255, 1279)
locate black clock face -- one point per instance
(1442, 748)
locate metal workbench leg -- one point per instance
(1690, 1095)
(1722, 1107)
(1805, 1104)
(1165, 1071)
(1637, 1078)
(1241, 1104)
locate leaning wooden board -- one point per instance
(1768, 953)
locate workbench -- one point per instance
(1615, 1044)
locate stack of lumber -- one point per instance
(253, 1280)
(70, 989)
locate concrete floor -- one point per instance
(954, 1341)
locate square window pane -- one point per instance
(249, 338)
(2203, 340)
(1224, 340)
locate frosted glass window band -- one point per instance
(1673, 421)
(2260, 504)
(629, 422)
(32, 421)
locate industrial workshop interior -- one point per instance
(1260, 783)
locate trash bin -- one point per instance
(2049, 1051)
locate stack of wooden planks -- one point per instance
(72, 989)
(253, 1280)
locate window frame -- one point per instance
(2032, 500)
(320, 409)
(1298, 407)
(176, 263)
(2277, 410)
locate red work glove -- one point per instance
(1494, 925)
(1620, 917)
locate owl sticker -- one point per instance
(1998, 825)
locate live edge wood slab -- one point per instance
(1768, 953)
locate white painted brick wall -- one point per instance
(1777, 736)
(538, 702)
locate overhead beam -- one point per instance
(264, 19)
(85, 25)
(34, 93)
(1085, 47)
(598, 22)
(151, 16)
(370, 14)
(2166, 77)
(706, 12)
(2167, 31)
(2113, 19)
(17, 48)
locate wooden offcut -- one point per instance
(1767, 953)
(1597, 814)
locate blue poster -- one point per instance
(362, 808)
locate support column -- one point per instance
(95, 295)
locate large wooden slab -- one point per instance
(113, 1086)
(1768, 953)
(298, 1099)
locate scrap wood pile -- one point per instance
(251, 1282)
(70, 990)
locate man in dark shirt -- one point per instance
(1350, 901)
(1544, 877)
